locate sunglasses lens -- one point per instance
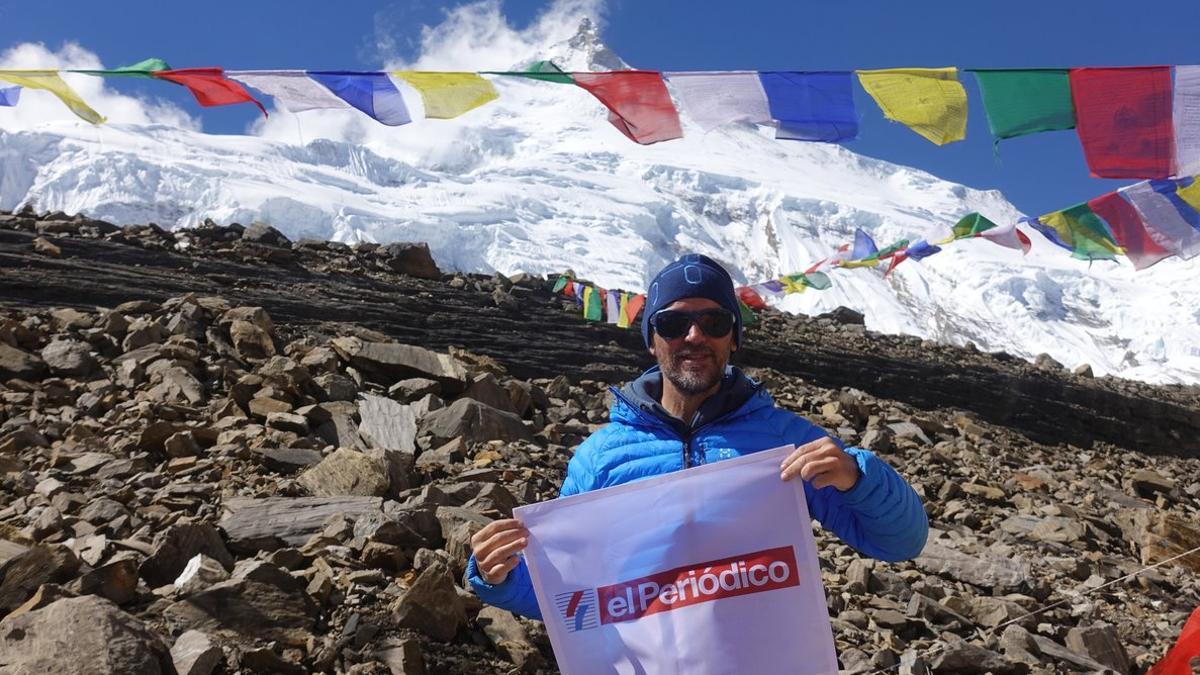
(716, 324)
(672, 325)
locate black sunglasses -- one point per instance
(673, 324)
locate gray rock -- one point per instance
(402, 657)
(414, 388)
(262, 233)
(346, 472)
(117, 581)
(474, 422)
(287, 460)
(17, 364)
(269, 609)
(985, 571)
(195, 653)
(387, 424)
(412, 259)
(1050, 648)
(179, 545)
(485, 389)
(251, 525)
(200, 573)
(70, 358)
(81, 635)
(431, 605)
(509, 637)
(388, 362)
(1101, 643)
(964, 657)
(21, 575)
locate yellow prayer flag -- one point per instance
(1190, 194)
(866, 262)
(792, 286)
(930, 101)
(448, 95)
(48, 80)
(622, 316)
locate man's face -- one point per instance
(695, 362)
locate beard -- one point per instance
(692, 378)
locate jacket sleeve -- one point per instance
(881, 516)
(515, 593)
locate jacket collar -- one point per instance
(641, 399)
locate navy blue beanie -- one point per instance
(692, 276)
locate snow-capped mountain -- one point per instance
(539, 181)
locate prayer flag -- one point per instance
(49, 80)
(817, 280)
(892, 249)
(613, 309)
(1020, 102)
(1008, 236)
(448, 95)
(864, 245)
(1129, 230)
(921, 249)
(145, 68)
(372, 93)
(638, 103)
(635, 307)
(540, 70)
(293, 90)
(9, 96)
(704, 571)
(1185, 114)
(560, 284)
(770, 287)
(1124, 120)
(930, 101)
(1186, 650)
(1048, 232)
(972, 225)
(716, 99)
(1172, 222)
(623, 311)
(747, 314)
(749, 297)
(793, 283)
(1083, 232)
(209, 86)
(592, 304)
(579, 290)
(811, 106)
(865, 262)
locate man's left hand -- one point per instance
(821, 463)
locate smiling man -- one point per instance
(694, 408)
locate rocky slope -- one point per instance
(221, 451)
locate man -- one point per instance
(693, 408)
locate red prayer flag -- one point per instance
(1128, 229)
(750, 298)
(634, 306)
(1187, 648)
(897, 258)
(638, 103)
(210, 86)
(1026, 244)
(1124, 120)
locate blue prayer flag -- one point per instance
(1168, 188)
(1048, 232)
(372, 93)
(811, 106)
(9, 96)
(921, 249)
(864, 245)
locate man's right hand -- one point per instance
(496, 547)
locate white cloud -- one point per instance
(39, 107)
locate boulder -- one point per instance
(1101, 643)
(346, 472)
(262, 233)
(21, 575)
(431, 605)
(389, 362)
(411, 259)
(985, 571)
(17, 364)
(268, 606)
(474, 422)
(195, 653)
(179, 545)
(81, 635)
(69, 358)
(251, 525)
(287, 460)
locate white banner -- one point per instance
(709, 570)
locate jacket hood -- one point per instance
(641, 398)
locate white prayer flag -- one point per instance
(1186, 119)
(703, 571)
(715, 99)
(613, 306)
(1163, 219)
(294, 90)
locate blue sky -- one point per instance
(1038, 173)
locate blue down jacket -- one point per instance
(881, 516)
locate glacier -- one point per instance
(538, 181)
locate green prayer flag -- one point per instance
(140, 69)
(891, 250)
(1088, 235)
(594, 305)
(541, 70)
(560, 284)
(1020, 102)
(971, 225)
(747, 314)
(817, 280)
